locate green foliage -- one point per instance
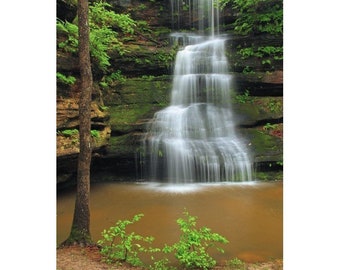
(73, 132)
(275, 52)
(70, 44)
(191, 250)
(275, 106)
(162, 264)
(102, 17)
(148, 77)
(167, 57)
(260, 52)
(141, 7)
(119, 246)
(243, 98)
(68, 132)
(143, 26)
(280, 163)
(236, 264)
(104, 36)
(248, 70)
(68, 80)
(269, 126)
(110, 79)
(254, 17)
(246, 52)
(257, 16)
(103, 108)
(266, 53)
(94, 133)
(163, 57)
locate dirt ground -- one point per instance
(89, 258)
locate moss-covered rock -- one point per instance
(254, 60)
(140, 90)
(252, 111)
(125, 145)
(269, 175)
(263, 146)
(134, 101)
(144, 60)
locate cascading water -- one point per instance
(194, 139)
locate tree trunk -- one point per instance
(80, 231)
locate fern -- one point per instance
(69, 80)
(104, 38)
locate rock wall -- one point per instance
(122, 110)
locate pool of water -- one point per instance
(249, 215)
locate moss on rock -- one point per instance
(124, 145)
(264, 147)
(252, 110)
(135, 101)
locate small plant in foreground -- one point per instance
(119, 246)
(191, 250)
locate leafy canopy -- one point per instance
(105, 27)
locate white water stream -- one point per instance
(195, 139)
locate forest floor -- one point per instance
(89, 258)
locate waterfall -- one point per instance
(194, 139)
(200, 14)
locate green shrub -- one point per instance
(119, 246)
(191, 250)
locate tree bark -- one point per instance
(80, 231)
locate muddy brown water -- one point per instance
(249, 215)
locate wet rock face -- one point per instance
(126, 107)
